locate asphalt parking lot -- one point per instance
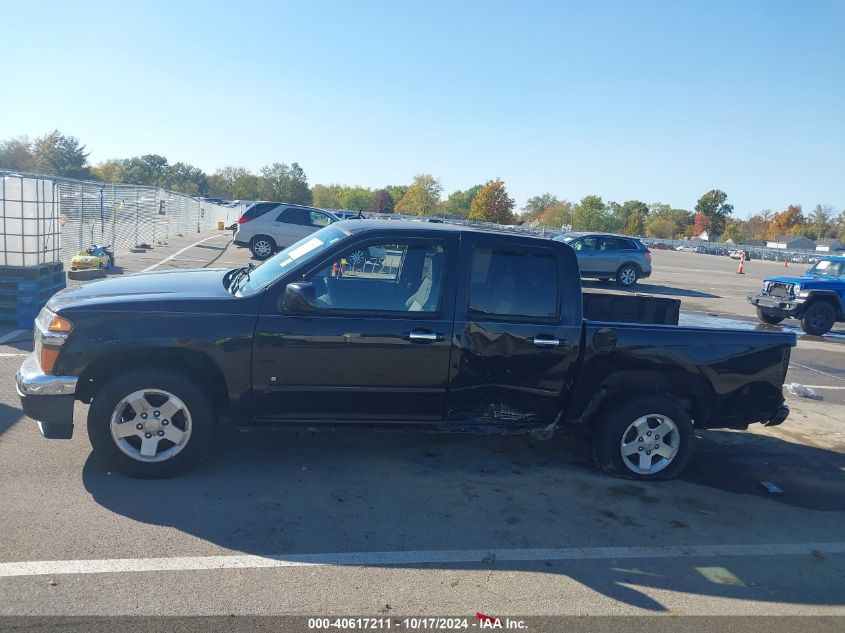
(378, 523)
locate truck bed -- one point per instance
(732, 377)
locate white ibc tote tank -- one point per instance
(29, 212)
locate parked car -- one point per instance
(606, 256)
(659, 246)
(738, 254)
(459, 329)
(349, 215)
(689, 249)
(816, 299)
(216, 200)
(265, 227)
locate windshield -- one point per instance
(828, 268)
(280, 263)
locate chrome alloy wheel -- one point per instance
(627, 276)
(649, 444)
(263, 248)
(151, 425)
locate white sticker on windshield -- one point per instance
(306, 248)
(825, 263)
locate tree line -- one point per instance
(60, 155)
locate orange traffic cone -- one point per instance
(785, 263)
(741, 262)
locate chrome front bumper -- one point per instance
(32, 381)
(47, 398)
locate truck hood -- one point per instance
(200, 283)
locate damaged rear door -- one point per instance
(517, 334)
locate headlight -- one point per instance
(51, 332)
(796, 288)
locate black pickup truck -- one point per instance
(437, 327)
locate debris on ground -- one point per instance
(802, 391)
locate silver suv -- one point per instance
(607, 256)
(266, 227)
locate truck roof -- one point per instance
(356, 225)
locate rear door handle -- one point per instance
(545, 341)
(420, 336)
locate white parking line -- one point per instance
(818, 371)
(16, 355)
(182, 250)
(369, 559)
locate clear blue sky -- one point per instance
(658, 101)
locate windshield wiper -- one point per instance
(235, 276)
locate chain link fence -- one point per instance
(752, 251)
(125, 216)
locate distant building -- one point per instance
(829, 245)
(792, 243)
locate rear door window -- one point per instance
(293, 215)
(616, 244)
(512, 283)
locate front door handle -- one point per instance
(545, 341)
(419, 336)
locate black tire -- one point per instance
(262, 246)
(818, 318)
(203, 421)
(627, 275)
(613, 424)
(768, 318)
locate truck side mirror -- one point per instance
(299, 297)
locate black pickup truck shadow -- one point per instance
(811, 478)
(646, 288)
(283, 493)
(9, 416)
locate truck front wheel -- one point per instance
(763, 317)
(150, 424)
(649, 437)
(818, 318)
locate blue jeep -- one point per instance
(817, 299)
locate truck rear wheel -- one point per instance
(649, 437)
(768, 318)
(818, 318)
(150, 424)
